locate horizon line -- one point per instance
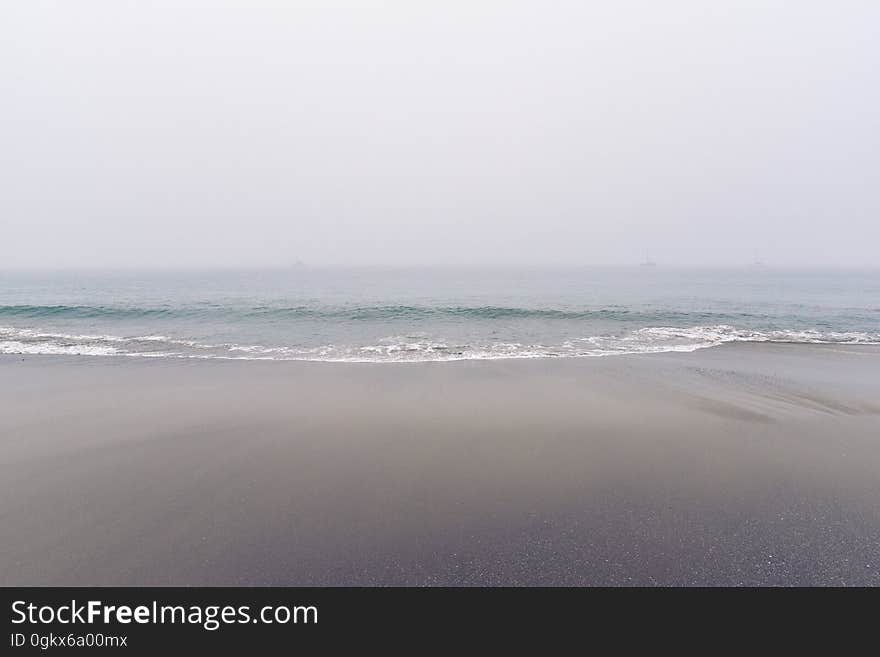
(336, 265)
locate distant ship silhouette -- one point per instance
(648, 262)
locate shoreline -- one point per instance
(746, 463)
(848, 347)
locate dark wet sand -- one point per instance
(745, 464)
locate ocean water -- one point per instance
(393, 315)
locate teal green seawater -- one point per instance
(393, 315)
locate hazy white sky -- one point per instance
(248, 133)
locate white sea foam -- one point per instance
(415, 348)
(47, 348)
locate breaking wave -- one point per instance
(340, 312)
(657, 339)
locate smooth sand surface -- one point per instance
(743, 464)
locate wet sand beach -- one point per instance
(742, 464)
